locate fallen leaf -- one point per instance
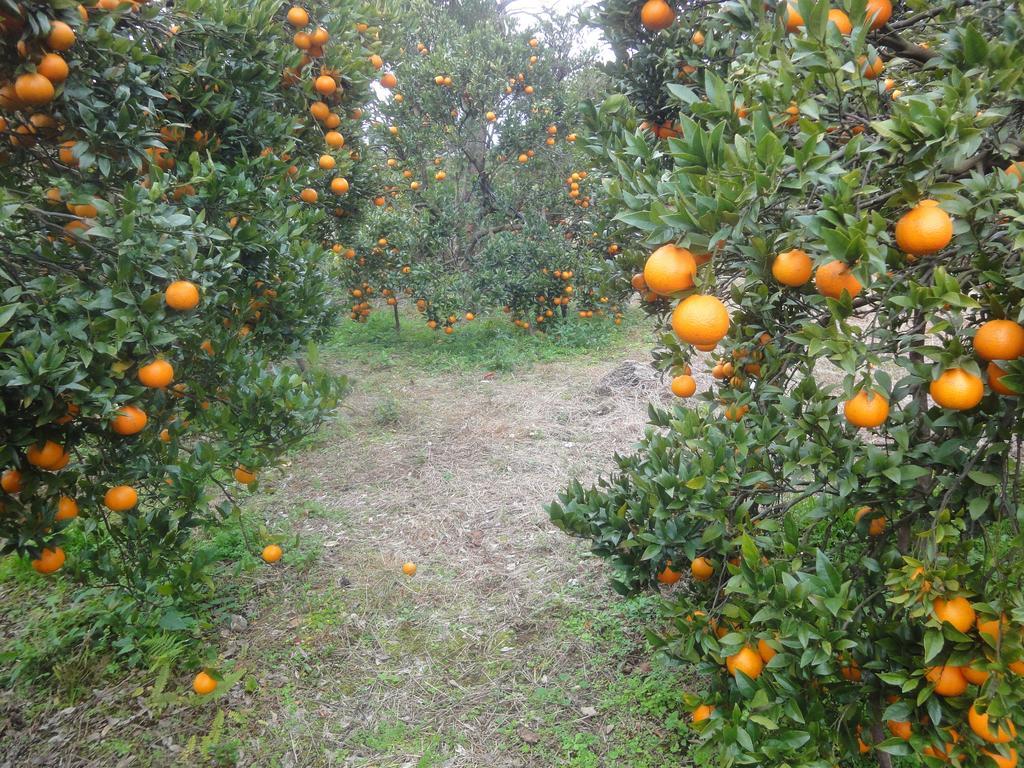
(528, 736)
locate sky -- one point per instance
(590, 36)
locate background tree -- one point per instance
(484, 202)
(163, 260)
(841, 514)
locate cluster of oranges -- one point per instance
(574, 182)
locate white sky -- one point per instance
(589, 36)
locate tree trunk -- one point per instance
(398, 324)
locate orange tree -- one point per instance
(830, 207)
(483, 200)
(162, 264)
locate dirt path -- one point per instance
(507, 649)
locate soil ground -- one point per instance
(506, 649)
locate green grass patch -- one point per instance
(489, 343)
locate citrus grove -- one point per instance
(166, 262)
(483, 202)
(829, 208)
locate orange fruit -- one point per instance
(669, 270)
(957, 390)
(376, 61)
(327, 162)
(297, 16)
(702, 713)
(667, 576)
(49, 560)
(948, 681)
(334, 139)
(67, 509)
(835, 278)
(878, 12)
(33, 88)
(840, 20)
(271, 553)
(995, 373)
(339, 185)
(900, 729)
(850, 670)
(325, 85)
(701, 320)
(53, 67)
(956, 611)
(793, 18)
(129, 420)
(924, 230)
(389, 80)
(683, 386)
(999, 340)
(491, 117)
(656, 15)
(156, 375)
(61, 36)
(870, 69)
(697, 38)
(702, 569)
(748, 661)
(866, 409)
(309, 195)
(181, 295)
(319, 110)
(10, 481)
(244, 476)
(1003, 732)
(792, 268)
(203, 684)
(876, 524)
(765, 651)
(44, 456)
(409, 569)
(974, 674)
(1000, 761)
(120, 498)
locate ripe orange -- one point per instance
(974, 674)
(924, 230)
(1000, 761)
(272, 553)
(748, 661)
(669, 270)
(835, 277)
(319, 110)
(327, 162)
(49, 560)
(409, 569)
(297, 16)
(765, 651)
(878, 12)
(994, 628)
(956, 611)
(995, 373)
(244, 475)
(867, 409)
(309, 195)
(67, 509)
(376, 61)
(334, 140)
(491, 117)
(668, 576)
(389, 80)
(683, 386)
(61, 36)
(901, 729)
(33, 88)
(793, 18)
(120, 498)
(1004, 731)
(10, 481)
(53, 67)
(440, 176)
(957, 390)
(876, 524)
(657, 15)
(702, 569)
(339, 185)
(702, 713)
(792, 268)
(701, 320)
(841, 21)
(156, 375)
(325, 85)
(44, 456)
(129, 420)
(948, 681)
(870, 69)
(181, 295)
(203, 684)
(999, 340)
